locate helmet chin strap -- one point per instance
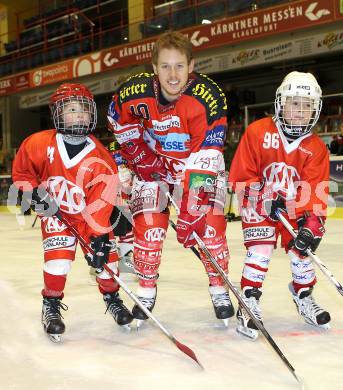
(74, 139)
(290, 129)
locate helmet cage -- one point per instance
(311, 113)
(301, 93)
(81, 125)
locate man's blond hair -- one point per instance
(172, 40)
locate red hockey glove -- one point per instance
(145, 163)
(265, 201)
(188, 224)
(311, 231)
(192, 217)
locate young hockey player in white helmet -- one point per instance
(59, 169)
(280, 163)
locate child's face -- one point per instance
(298, 110)
(76, 113)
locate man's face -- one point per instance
(298, 110)
(172, 70)
(76, 113)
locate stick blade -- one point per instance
(340, 289)
(186, 350)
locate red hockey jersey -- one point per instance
(84, 186)
(300, 169)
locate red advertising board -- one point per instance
(51, 74)
(22, 81)
(132, 54)
(265, 22)
(286, 17)
(7, 85)
(14, 83)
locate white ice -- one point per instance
(97, 354)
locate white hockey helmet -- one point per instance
(303, 96)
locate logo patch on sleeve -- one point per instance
(215, 137)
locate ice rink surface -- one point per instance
(97, 354)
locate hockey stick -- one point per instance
(236, 293)
(312, 255)
(34, 222)
(182, 347)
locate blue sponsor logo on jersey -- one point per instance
(112, 113)
(173, 141)
(176, 142)
(119, 159)
(215, 137)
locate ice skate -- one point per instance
(221, 303)
(119, 311)
(126, 264)
(312, 313)
(52, 318)
(147, 296)
(246, 327)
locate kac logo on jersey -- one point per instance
(155, 234)
(69, 197)
(210, 232)
(215, 137)
(283, 177)
(53, 225)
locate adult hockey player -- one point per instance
(68, 169)
(281, 163)
(171, 125)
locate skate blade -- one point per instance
(126, 327)
(55, 338)
(251, 334)
(140, 323)
(225, 322)
(323, 326)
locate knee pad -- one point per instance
(106, 283)
(57, 267)
(303, 272)
(256, 264)
(105, 275)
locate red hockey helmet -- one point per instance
(73, 109)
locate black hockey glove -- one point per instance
(41, 202)
(310, 233)
(273, 205)
(101, 246)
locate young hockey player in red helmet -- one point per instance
(69, 170)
